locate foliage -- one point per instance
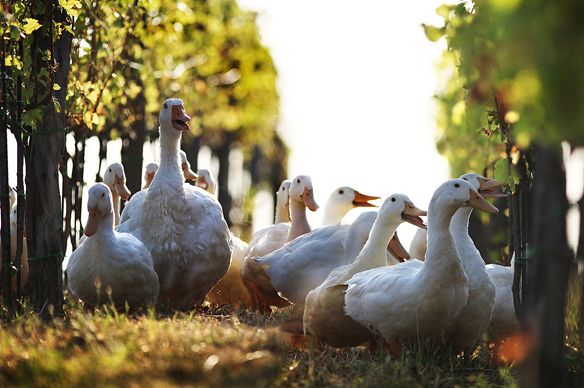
(512, 63)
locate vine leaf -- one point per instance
(30, 25)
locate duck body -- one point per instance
(504, 322)
(324, 315)
(418, 301)
(111, 266)
(182, 225)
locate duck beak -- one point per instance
(188, 173)
(92, 222)
(362, 200)
(122, 189)
(397, 249)
(478, 202)
(149, 178)
(412, 215)
(491, 188)
(202, 182)
(180, 119)
(308, 199)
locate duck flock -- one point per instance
(345, 284)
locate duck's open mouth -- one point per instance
(180, 125)
(414, 220)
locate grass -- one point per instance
(222, 348)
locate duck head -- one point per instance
(283, 197)
(398, 208)
(457, 193)
(149, 173)
(99, 205)
(301, 191)
(173, 116)
(206, 181)
(115, 178)
(486, 187)
(186, 167)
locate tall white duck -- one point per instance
(115, 178)
(149, 173)
(418, 301)
(110, 266)
(301, 196)
(182, 225)
(324, 315)
(473, 320)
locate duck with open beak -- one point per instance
(180, 119)
(478, 202)
(362, 200)
(411, 214)
(490, 188)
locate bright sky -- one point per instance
(356, 81)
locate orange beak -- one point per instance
(362, 200)
(478, 202)
(491, 188)
(122, 189)
(92, 222)
(180, 118)
(308, 199)
(397, 249)
(412, 215)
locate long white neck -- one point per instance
(116, 202)
(373, 254)
(333, 214)
(169, 170)
(469, 255)
(106, 226)
(298, 224)
(441, 257)
(282, 214)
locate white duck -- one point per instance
(304, 263)
(418, 301)
(341, 201)
(254, 276)
(504, 322)
(115, 178)
(149, 173)
(230, 289)
(186, 167)
(324, 315)
(206, 181)
(419, 244)
(110, 266)
(473, 320)
(182, 225)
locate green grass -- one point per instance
(241, 348)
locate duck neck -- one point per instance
(282, 213)
(469, 255)
(333, 215)
(170, 162)
(299, 223)
(116, 202)
(373, 254)
(106, 226)
(441, 256)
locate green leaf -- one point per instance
(56, 87)
(502, 171)
(433, 33)
(30, 25)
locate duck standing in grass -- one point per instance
(110, 266)
(182, 225)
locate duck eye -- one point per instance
(297, 180)
(341, 192)
(165, 106)
(456, 185)
(465, 179)
(392, 199)
(109, 169)
(102, 195)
